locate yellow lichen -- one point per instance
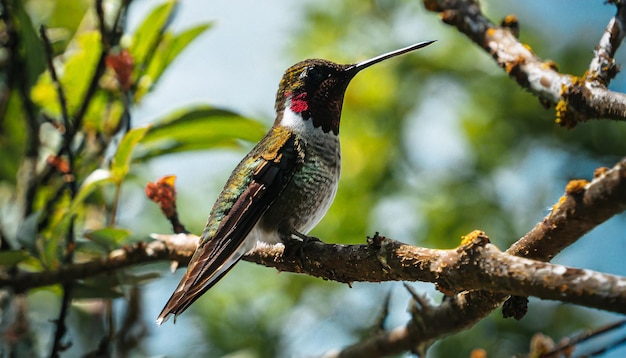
(510, 20)
(600, 172)
(530, 49)
(561, 112)
(474, 236)
(510, 66)
(575, 186)
(550, 65)
(559, 203)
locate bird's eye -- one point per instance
(315, 74)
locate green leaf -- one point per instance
(32, 264)
(12, 140)
(96, 179)
(155, 68)
(199, 128)
(13, 257)
(103, 114)
(182, 40)
(148, 34)
(169, 48)
(75, 76)
(30, 44)
(79, 68)
(50, 248)
(108, 237)
(172, 147)
(121, 162)
(90, 249)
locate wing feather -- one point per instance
(215, 256)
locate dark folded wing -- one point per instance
(216, 256)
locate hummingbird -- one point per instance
(283, 187)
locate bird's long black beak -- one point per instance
(354, 69)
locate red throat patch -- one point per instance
(299, 103)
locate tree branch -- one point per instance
(584, 206)
(571, 217)
(603, 68)
(577, 99)
(139, 253)
(476, 265)
(70, 181)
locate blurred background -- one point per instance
(435, 144)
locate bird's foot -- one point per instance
(306, 239)
(299, 244)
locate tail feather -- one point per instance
(181, 299)
(202, 274)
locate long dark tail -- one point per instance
(182, 299)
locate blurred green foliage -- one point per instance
(61, 177)
(497, 183)
(434, 144)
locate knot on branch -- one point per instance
(453, 268)
(516, 307)
(376, 241)
(382, 247)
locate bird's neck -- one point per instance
(301, 114)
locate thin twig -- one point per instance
(602, 67)
(70, 182)
(119, 23)
(576, 99)
(104, 33)
(58, 345)
(53, 74)
(567, 344)
(382, 316)
(608, 347)
(115, 204)
(68, 136)
(132, 329)
(117, 31)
